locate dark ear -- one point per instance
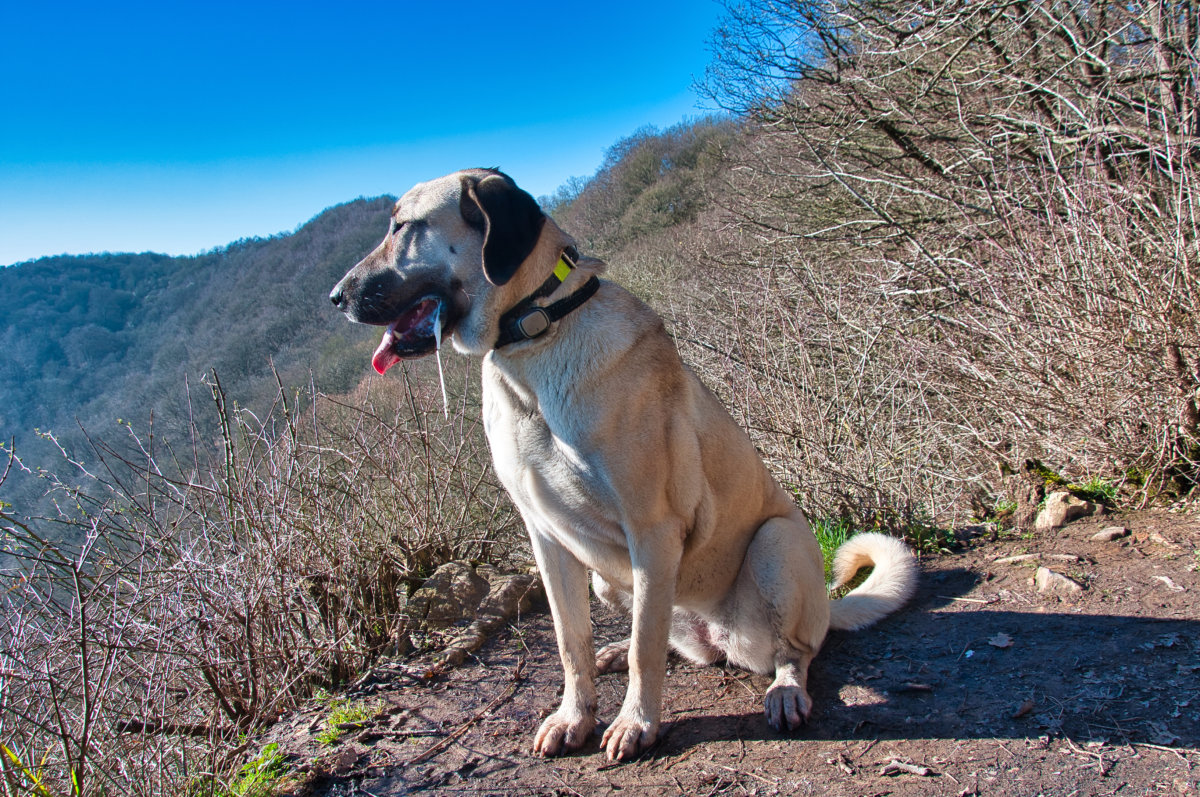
(509, 218)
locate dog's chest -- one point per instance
(549, 471)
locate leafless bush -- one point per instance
(974, 228)
(175, 601)
(793, 354)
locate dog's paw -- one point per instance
(613, 658)
(627, 737)
(563, 732)
(787, 707)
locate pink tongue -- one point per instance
(384, 357)
(415, 325)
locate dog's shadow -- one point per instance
(949, 668)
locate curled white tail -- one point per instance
(889, 586)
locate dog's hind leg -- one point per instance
(692, 637)
(787, 704)
(690, 633)
(613, 657)
(786, 591)
(565, 579)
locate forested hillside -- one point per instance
(88, 340)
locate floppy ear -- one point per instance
(509, 218)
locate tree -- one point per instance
(1002, 197)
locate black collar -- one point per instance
(526, 320)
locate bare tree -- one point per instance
(989, 211)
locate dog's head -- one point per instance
(451, 263)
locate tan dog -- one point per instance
(619, 459)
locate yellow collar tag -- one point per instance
(562, 270)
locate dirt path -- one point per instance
(981, 686)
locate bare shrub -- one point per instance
(177, 600)
(974, 227)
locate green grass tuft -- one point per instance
(830, 533)
(259, 776)
(341, 714)
(1004, 507)
(1095, 489)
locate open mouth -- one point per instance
(416, 333)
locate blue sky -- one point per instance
(177, 127)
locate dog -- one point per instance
(619, 459)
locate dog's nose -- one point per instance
(338, 297)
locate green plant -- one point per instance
(1000, 514)
(927, 538)
(23, 771)
(259, 776)
(1095, 489)
(342, 715)
(830, 534)
(1004, 506)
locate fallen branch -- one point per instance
(503, 697)
(1098, 756)
(896, 767)
(164, 728)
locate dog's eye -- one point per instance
(396, 227)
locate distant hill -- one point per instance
(88, 340)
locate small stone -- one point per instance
(1010, 560)
(344, 761)
(1110, 534)
(1060, 509)
(1051, 583)
(1171, 585)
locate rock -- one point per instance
(1012, 560)
(510, 595)
(1110, 534)
(1051, 583)
(451, 595)
(343, 761)
(1060, 509)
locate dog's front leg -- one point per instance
(566, 581)
(655, 567)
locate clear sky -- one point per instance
(180, 126)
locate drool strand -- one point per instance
(437, 336)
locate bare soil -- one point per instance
(981, 686)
